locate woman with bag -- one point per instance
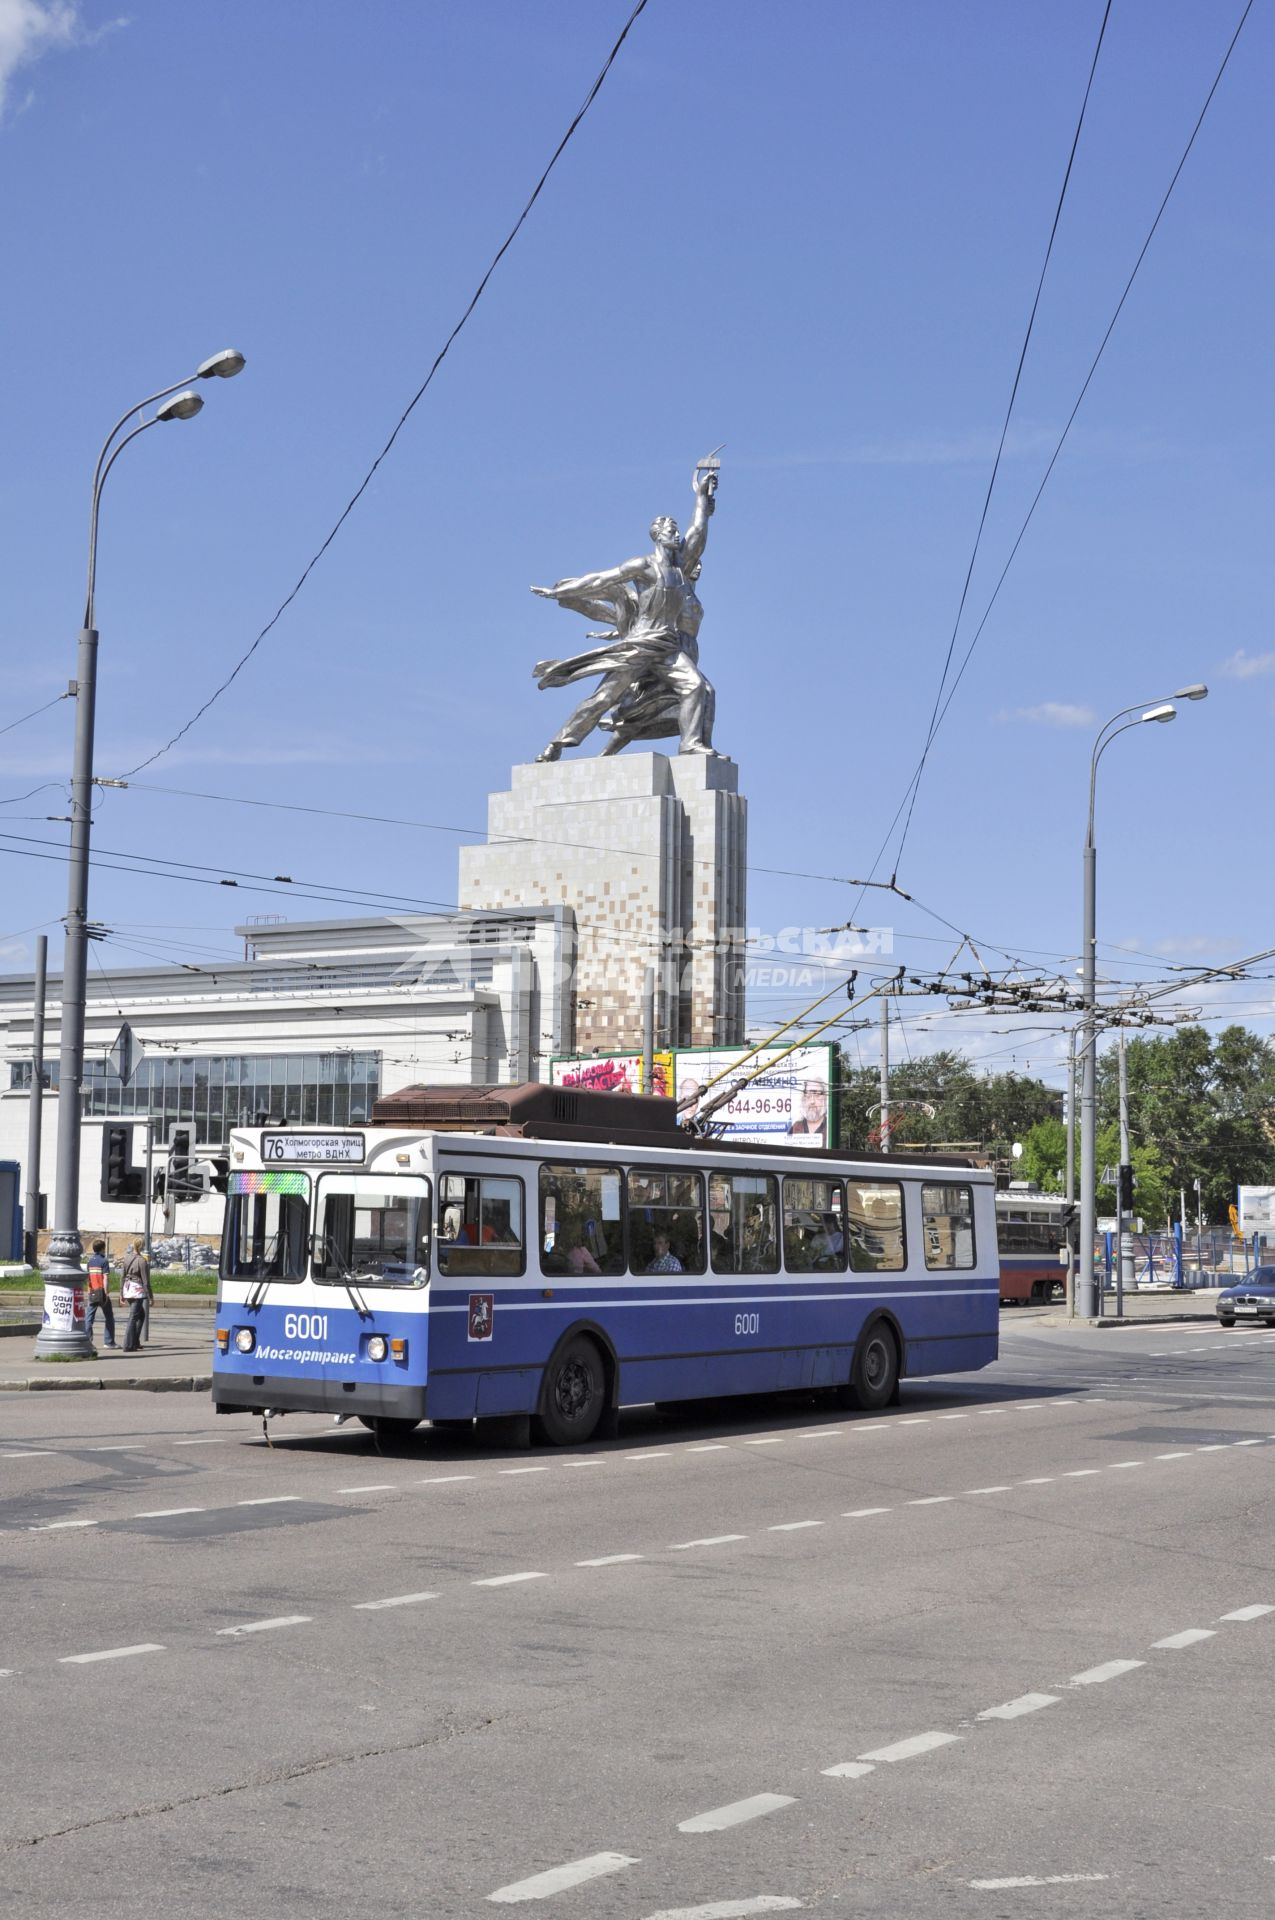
(135, 1288)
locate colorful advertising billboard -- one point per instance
(612, 1073)
(791, 1102)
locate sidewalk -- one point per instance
(177, 1359)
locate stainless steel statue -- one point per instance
(649, 682)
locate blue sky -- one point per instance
(811, 232)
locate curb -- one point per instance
(169, 1383)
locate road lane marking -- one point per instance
(55, 1526)
(1247, 1613)
(1025, 1703)
(793, 1526)
(570, 1463)
(714, 1446)
(777, 1441)
(909, 1749)
(1081, 1473)
(109, 1653)
(558, 1879)
(849, 1770)
(648, 1456)
(1036, 1880)
(1116, 1465)
(916, 1420)
(737, 1813)
(378, 1486)
(822, 1433)
(35, 1453)
(713, 1540)
(609, 1560)
(1109, 1670)
(864, 1513)
(1041, 1480)
(167, 1513)
(523, 1469)
(952, 1416)
(265, 1626)
(1173, 1456)
(932, 1500)
(730, 1909)
(395, 1600)
(122, 1446)
(1216, 1446)
(443, 1479)
(1248, 1443)
(970, 1491)
(210, 1440)
(879, 1427)
(270, 1500)
(1187, 1638)
(507, 1579)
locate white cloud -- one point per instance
(1246, 666)
(31, 28)
(1051, 713)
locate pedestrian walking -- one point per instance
(135, 1287)
(99, 1271)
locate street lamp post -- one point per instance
(1163, 710)
(63, 1333)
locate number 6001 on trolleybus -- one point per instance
(482, 1252)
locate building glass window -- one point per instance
(213, 1093)
(666, 1222)
(947, 1221)
(874, 1221)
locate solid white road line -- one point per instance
(557, 1879)
(864, 1513)
(167, 1513)
(849, 1770)
(1109, 1670)
(1025, 1703)
(507, 1579)
(396, 1600)
(1035, 1880)
(1247, 1613)
(609, 1560)
(909, 1749)
(793, 1526)
(730, 1909)
(1187, 1638)
(271, 1500)
(713, 1540)
(109, 1653)
(444, 1479)
(736, 1814)
(55, 1526)
(264, 1626)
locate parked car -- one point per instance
(1250, 1299)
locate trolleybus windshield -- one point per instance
(372, 1228)
(267, 1224)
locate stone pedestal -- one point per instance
(649, 850)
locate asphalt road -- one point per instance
(1005, 1650)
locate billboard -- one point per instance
(1257, 1210)
(790, 1102)
(612, 1072)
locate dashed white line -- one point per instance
(775, 1442)
(557, 1879)
(1109, 1670)
(916, 1420)
(1187, 1638)
(822, 1433)
(523, 1469)
(1184, 1455)
(1247, 1613)
(1215, 1446)
(123, 1446)
(713, 1540)
(210, 1440)
(378, 1486)
(714, 1446)
(909, 1749)
(730, 1909)
(648, 1456)
(271, 1500)
(395, 1600)
(1040, 1480)
(58, 1526)
(167, 1513)
(1116, 1465)
(265, 1626)
(952, 1416)
(1014, 1709)
(507, 1579)
(793, 1526)
(109, 1653)
(1035, 1880)
(736, 1814)
(1248, 1443)
(1081, 1473)
(444, 1479)
(864, 1513)
(610, 1560)
(34, 1453)
(848, 1770)
(932, 1500)
(970, 1491)
(570, 1463)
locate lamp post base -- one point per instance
(64, 1334)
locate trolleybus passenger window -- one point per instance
(666, 1221)
(479, 1225)
(267, 1225)
(581, 1226)
(814, 1234)
(947, 1220)
(874, 1222)
(372, 1229)
(743, 1222)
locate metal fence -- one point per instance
(1178, 1260)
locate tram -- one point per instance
(484, 1252)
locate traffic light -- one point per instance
(1126, 1188)
(218, 1172)
(121, 1180)
(181, 1183)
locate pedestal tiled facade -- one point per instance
(650, 851)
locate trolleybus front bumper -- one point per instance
(281, 1393)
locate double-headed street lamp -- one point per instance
(63, 1332)
(1158, 711)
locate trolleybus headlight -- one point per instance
(245, 1339)
(377, 1347)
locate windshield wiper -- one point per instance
(348, 1277)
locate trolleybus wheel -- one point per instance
(574, 1394)
(386, 1427)
(874, 1377)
